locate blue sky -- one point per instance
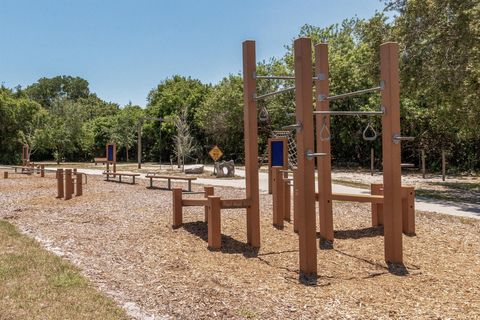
(124, 48)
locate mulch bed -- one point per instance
(121, 237)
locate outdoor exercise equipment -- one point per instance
(69, 182)
(391, 198)
(250, 202)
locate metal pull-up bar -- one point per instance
(296, 126)
(319, 77)
(351, 94)
(310, 154)
(397, 138)
(271, 94)
(349, 113)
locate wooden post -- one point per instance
(60, 190)
(423, 163)
(5, 174)
(377, 208)
(444, 164)
(177, 207)
(408, 210)
(392, 202)
(324, 165)
(277, 197)
(372, 161)
(42, 170)
(251, 143)
(286, 198)
(79, 187)
(305, 167)
(214, 223)
(209, 191)
(68, 184)
(295, 201)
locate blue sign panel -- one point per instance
(277, 153)
(110, 152)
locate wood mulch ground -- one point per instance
(121, 237)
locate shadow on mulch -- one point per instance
(229, 244)
(359, 233)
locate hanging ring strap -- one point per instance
(373, 136)
(325, 132)
(263, 114)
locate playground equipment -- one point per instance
(391, 138)
(68, 183)
(214, 204)
(110, 157)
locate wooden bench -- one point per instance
(152, 176)
(100, 160)
(120, 175)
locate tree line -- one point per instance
(59, 118)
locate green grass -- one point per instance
(35, 284)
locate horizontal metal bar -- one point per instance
(287, 179)
(397, 138)
(293, 126)
(273, 93)
(310, 155)
(349, 113)
(351, 94)
(286, 171)
(276, 77)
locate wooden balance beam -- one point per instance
(213, 205)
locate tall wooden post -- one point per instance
(305, 167)
(251, 143)
(42, 170)
(68, 184)
(324, 165)
(423, 163)
(60, 190)
(392, 202)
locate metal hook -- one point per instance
(325, 132)
(263, 114)
(367, 137)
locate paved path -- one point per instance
(422, 204)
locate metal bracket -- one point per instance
(397, 138)
(296, 126)
(310, 154)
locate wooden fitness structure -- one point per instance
(386, 199)
(69, 182)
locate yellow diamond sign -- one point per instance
(215, 153)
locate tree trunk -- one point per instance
(126, 149)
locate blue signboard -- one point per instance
(110, 152)
(277, 153)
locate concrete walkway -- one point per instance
(421, 203)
